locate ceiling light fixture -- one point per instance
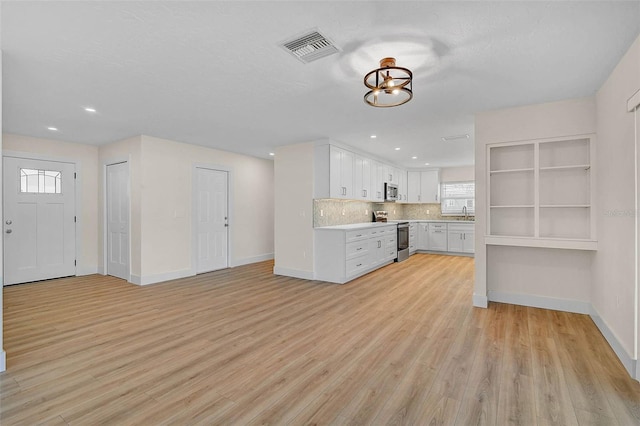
(414, 158)
(397, 149)
(272, 154)
(389, 85)
(426, 164)
(53, 129)
(89, 109)
(373, 136)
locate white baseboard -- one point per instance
(480, 301)
(252, 259)
(86, 270)
(555, 304)
(158, 278)
(631, 365)
(295, 273)
(3, 361)
(101, 270)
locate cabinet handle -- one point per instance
(379, 243)
(359, 248)
(359, 264)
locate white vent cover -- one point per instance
(310, 47)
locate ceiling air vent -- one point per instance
(310, 47)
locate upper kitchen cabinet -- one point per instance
(362, 179)
(377, 181)
(391, 174)
(334, 172)
(540, 193)
(423, 187)
(403, 195)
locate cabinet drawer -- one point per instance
(437, 226)
(356, 265)
(357, 235)
(357, 248)
(462, 227)
(392, 242)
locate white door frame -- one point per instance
(194, 211)
(78, 194)
(105, 218)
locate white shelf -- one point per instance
(540, 193)
(511, 171)
(515, 206)
(565, 206)
(576, 166)
(559, 243)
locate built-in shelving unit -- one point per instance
(540, 193)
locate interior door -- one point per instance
(118, 220)
(39, 220)
(212, 224)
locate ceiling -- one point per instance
(213, 73)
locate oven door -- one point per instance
(403, 237)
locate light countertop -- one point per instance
(364, 225)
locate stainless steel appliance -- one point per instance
(390, 192)
(403, 241)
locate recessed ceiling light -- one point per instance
(455, 137)
(426, 164)
(89, 109)
(272, 154)
(373, 136)
(414, 158)
(53, 129)
(397, 149)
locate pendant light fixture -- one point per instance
(388, 85)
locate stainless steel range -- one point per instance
(403, 241)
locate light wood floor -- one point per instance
(399, 346)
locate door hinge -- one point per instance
(75, 175)
(75, 263)
(75, 219)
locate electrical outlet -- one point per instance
(343, 212)
(321, 213)
(394, 212)
(428, 211)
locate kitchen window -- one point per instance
(456, 196)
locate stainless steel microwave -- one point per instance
(390, 192)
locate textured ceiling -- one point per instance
(212, 73)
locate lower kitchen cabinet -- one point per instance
(343, 254)
(413, 237)
(437, 236)
(460, 238)
(423, 236)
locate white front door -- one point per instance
(118, 220)
(212, 223)
(39, 220)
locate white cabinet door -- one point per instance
(413, 187)
(402, 186)
(455, 241)
(438, 236)
(430, 186)
(341, 173)
(413, 237)
(469, 242)
(377, 181)
(362, 178)
(423, 236)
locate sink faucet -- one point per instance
(464, 210)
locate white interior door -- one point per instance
(212, 225)
(118, 220)
(39, 220)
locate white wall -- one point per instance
(457, 174)
(571, 117)
(86, 159)
(294, 180)
(166, 205)
(613, 292)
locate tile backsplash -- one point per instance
(330, 212)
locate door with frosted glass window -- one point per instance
(38, 220)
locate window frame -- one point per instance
(457, 212)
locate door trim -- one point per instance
(105, 237)
(77, 202)
(194, 211)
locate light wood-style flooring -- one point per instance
(402, 345)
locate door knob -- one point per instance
(9, 231)
(8, 222)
